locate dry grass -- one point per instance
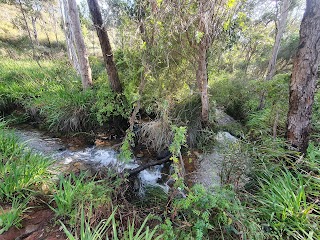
(156, 135)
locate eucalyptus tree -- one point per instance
(281, 16)
(199, 24)
(304, 77)
(76, 36)
(105, 45)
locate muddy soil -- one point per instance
(37, 224)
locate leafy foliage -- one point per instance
(217, 214)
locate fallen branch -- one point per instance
(137, 170)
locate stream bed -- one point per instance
(97, 156)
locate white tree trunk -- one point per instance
(69, 36)
(281, 26)
(80, 45)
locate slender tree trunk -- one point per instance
(202, 81)
(69, 36)
(55, 23)
(29, 32)
(304, 76)
(105, 46)
(280, 28)
(35, 32)
(80, 45)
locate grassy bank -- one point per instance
(278, 201)
(282, 204)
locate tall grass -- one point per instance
(283, 205)
(108, 227)
(21, 170)
(73, 191)
(22, 173)
(13, 216)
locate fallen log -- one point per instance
(137, 170)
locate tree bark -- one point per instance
(202, 81)
(69, 36)
(280, 27)
(80, 45)
(304, 76)
(105, 46)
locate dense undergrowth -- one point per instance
(52, 95)
(279, 199)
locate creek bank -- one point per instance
(37, 223)
(76, 155)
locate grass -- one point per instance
(109, 225)
(13, 216)
(282, 203)
(22, 173)
(52, 96)
(73, 191)
(21, 170)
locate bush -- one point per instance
(65, 109)
(232, 93)
(212, 215)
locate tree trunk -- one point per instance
(304, 76)
(280, 27)
(105, 46)
(35, 32)
(29, 33)
(69, 36)
(80, 45)
(202, 81)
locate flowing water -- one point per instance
(95, 155)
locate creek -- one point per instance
(91, 155)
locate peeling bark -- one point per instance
(80, 45)
(304, 76)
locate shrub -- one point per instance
(218, 215)
(65, 109)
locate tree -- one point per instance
(105, 46)
(82, 53)
(280, 25)
(211, 19)
(69, 36)
(23, 12)
(304, 76)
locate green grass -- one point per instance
(52, 95)
(73, 191)
(109, 225)
(21, 170)
(283, 206)
(22, 174)
(13, 216)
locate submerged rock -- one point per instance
(226, 164)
